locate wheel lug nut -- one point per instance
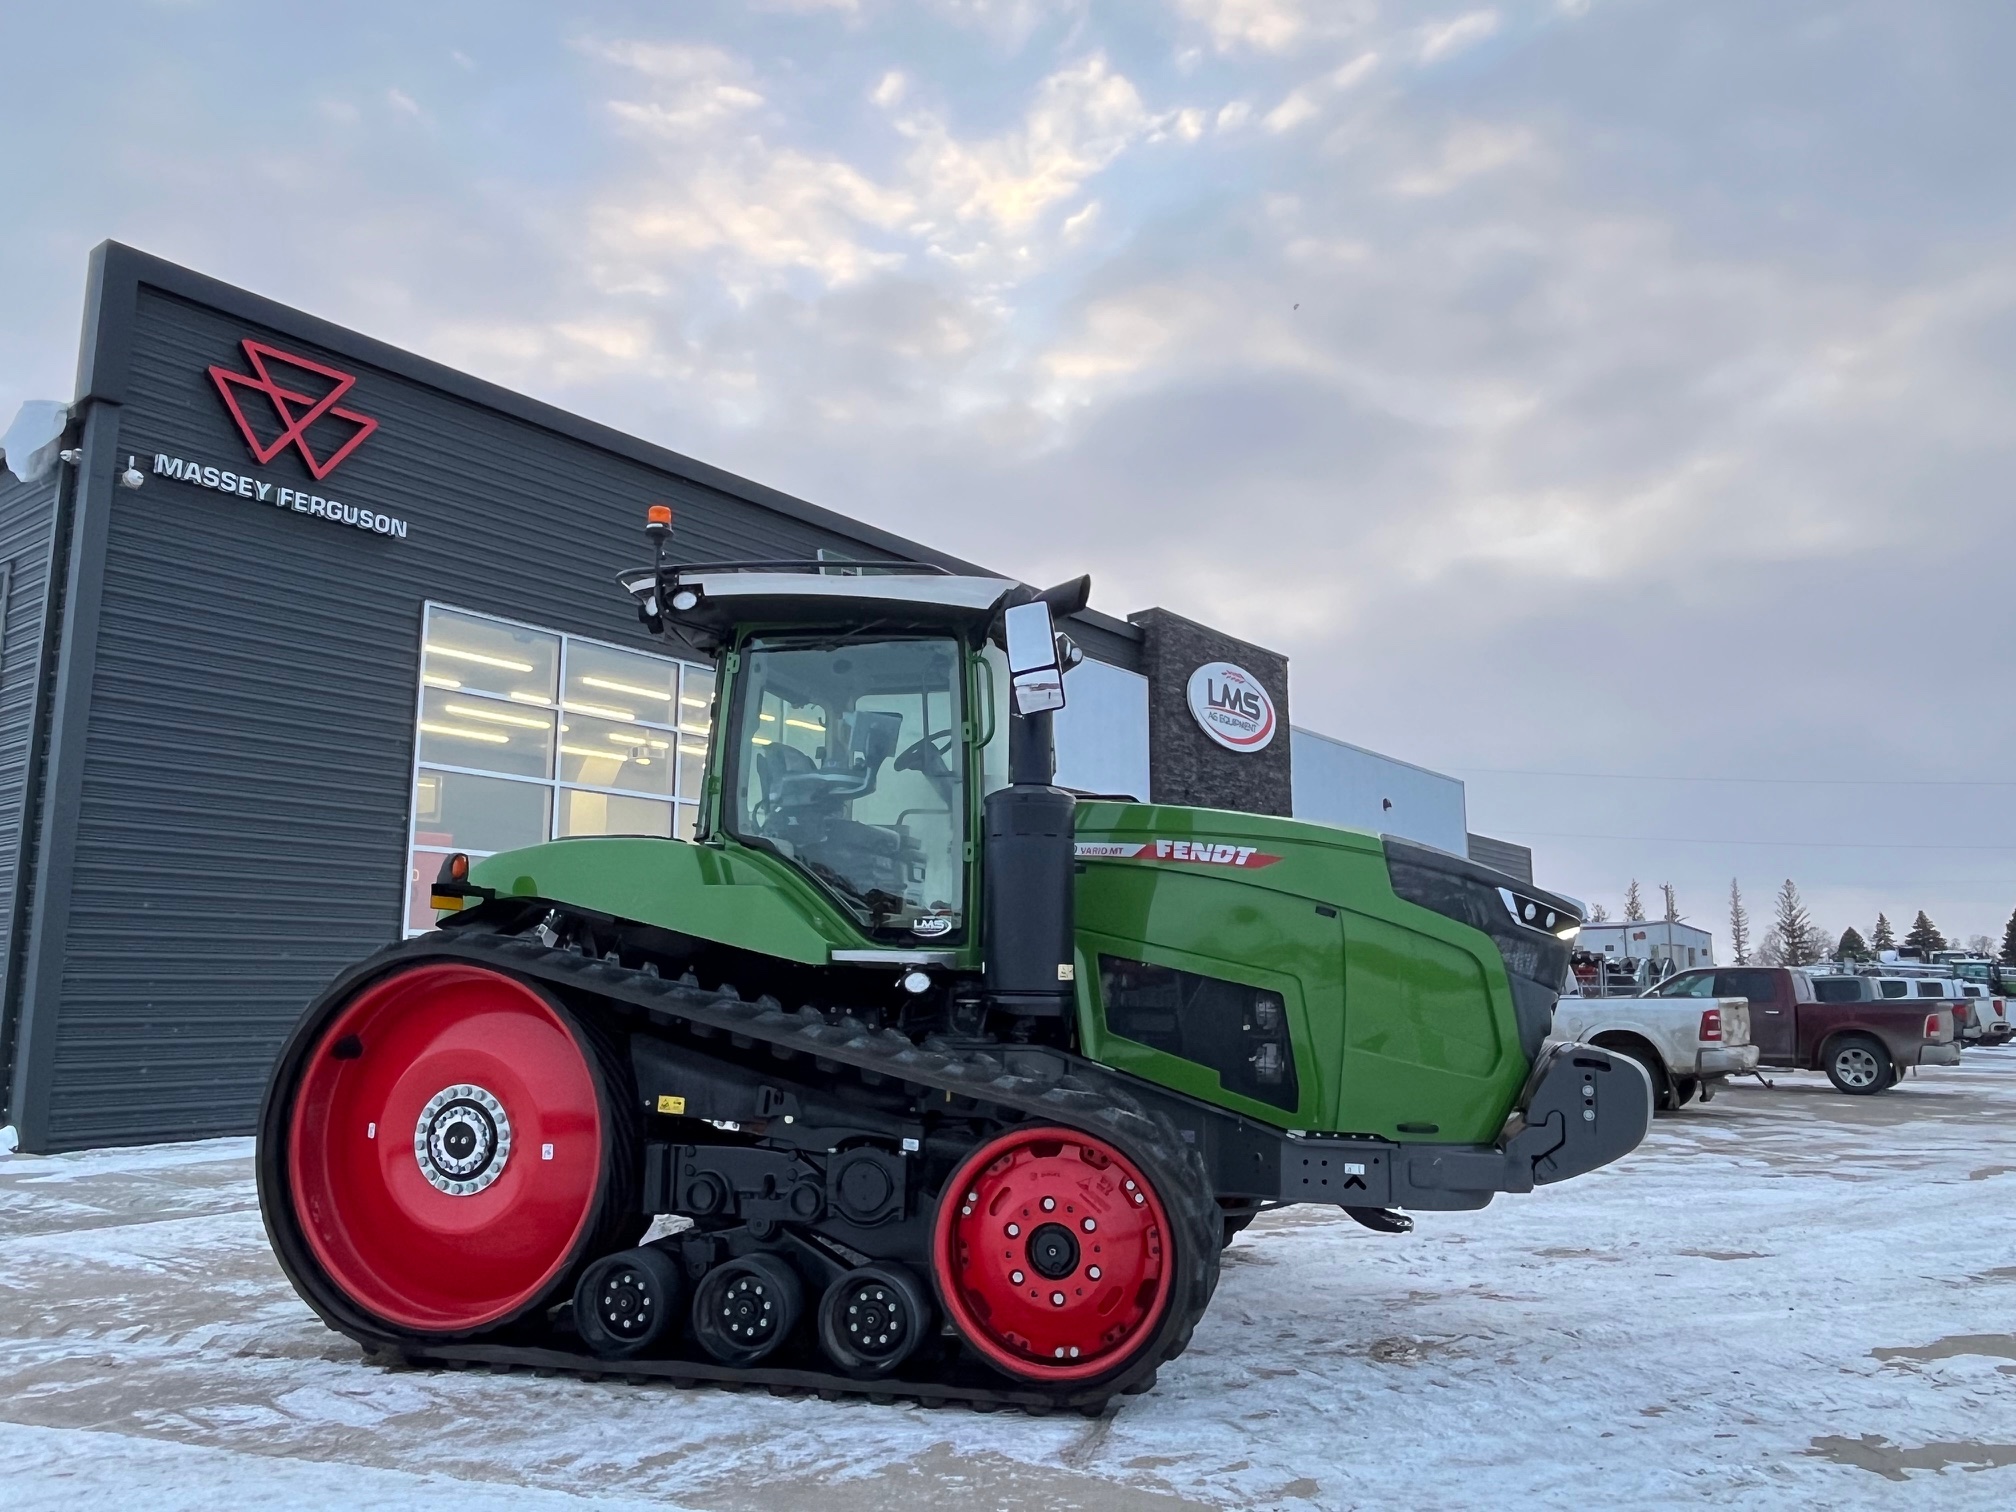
(1014, 1229)
(1049, 1204)
(1056, 1299)
(1093, 1273)
(1090, 1225)
(1016, 1277)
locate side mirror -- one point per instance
(1032, 659)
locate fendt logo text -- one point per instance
(295, 412)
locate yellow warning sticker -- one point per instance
(673, 1105)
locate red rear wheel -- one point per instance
(1053, 1255)
(446, 1147)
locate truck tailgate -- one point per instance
(1735, 1020)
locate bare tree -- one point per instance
(1739, 925)
(1598, 914)
(1980, 944)
(1672, 904)
(1634, 906)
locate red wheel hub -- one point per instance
(1052, 1253)
(445, 1148)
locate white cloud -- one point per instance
(891, 88)
(1296, 108)
(1447, 38)
(1468, 150)
(1082, 118)
(1268, 25)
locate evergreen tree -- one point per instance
(1672, 904)
(1924, 935)
(1792, 929)
(1852, 947)
(1739, 925)
(1634, 906)
(2009, 942)
(1882, 937)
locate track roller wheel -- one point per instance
(744, 1309)
(1055, 1256)
(872, 1318)
(624, 1303)
(450, 1147)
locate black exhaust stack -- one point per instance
(1029, 909)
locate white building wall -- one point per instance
(1102, 731)
(1339, 783)
(1650, 940)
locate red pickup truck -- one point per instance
(1863, 1047)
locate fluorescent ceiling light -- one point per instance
(610, 685)
(580, 708)
(497, 716)
(457, 653)
(805, 724)
(488, 737)
(440, 682)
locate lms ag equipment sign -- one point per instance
(1231, 707)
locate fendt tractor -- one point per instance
(910, 1074)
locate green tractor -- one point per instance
(910, 1074)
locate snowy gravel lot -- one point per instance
(1787, 1298)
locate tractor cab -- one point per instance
(866, 718)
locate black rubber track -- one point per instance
(975, 1083)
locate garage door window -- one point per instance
(525, 735)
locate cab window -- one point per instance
(847, 758)
(1686, 985)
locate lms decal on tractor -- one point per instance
(995, 1170)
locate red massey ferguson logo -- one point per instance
(294, 411)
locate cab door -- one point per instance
(1774, 1021)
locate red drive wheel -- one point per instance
(1053, 1255)
(445, 1148)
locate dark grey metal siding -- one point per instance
(243, 823)
(1513, 860)
(27, 527)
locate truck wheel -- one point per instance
(1684, 1088)
(1858, 1065)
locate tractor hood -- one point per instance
(1533, 930)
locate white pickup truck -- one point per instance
(1687, 1045)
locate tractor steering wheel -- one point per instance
(927, 755)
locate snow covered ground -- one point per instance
(1787, 1298)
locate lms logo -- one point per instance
(294, 411)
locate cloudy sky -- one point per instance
(1597, 387)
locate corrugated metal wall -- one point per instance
(243, 826)
(27, 520)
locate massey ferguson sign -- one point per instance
(287, 401)
(341, 431)
(1231, 707)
